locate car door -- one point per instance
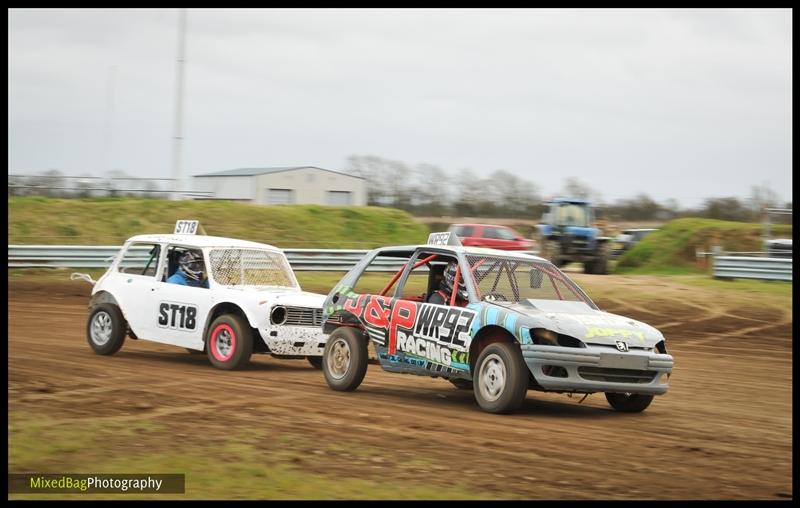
(507, 239)
(426, 337)
(177, 313)
(493, 238)
(132, 282)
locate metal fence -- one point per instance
(80, 256)
(748, 267)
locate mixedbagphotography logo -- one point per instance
(36, 483)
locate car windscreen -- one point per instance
(513, 280)
(250, 267)
(569, 214)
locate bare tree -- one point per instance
(514, 196)
(50, 183)
(726, 209)
(762, 196)
(575, 188)
(84, 187)
(371, 168)
(431, 193)
(148, 189)
(115, 182)
(469, 193)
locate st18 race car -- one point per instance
(225, 297)
(496, 322)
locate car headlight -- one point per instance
(545, 337)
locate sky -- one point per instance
(676, 104)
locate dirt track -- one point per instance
(723, 431)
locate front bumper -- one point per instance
(294, 340)
(598, 369)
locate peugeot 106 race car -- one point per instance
(242, 298)
(497, 322)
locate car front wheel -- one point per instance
(501, 378)
(105, 329)
(344, 360)
(229, 342)
(629, 402)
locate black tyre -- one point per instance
(554, 253)
(344, 361)
(588, 266)
(106, 329)
(501, 378)
(461, 384)
(601, 266)
(229, 342)
(601, 263)
(629, 402)
(315, 361)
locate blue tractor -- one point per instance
(567, 234)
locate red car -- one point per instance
(492, 236)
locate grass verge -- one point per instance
(240, 463)
(672, 250)
(110, 221)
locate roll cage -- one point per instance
(425, 255)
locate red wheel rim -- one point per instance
(223, 342)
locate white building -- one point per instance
(302, 185)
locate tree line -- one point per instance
(428, 190)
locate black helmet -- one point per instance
(450, 277)
(191, 265)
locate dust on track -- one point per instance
(723, 431)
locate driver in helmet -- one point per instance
(191, 271)
(442, 295)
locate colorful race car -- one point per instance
(228, 298)
(497, 322)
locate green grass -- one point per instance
(110, 221)
(672, 250)
(245, 463)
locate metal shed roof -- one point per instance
(264, 171)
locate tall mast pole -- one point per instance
(177, 182)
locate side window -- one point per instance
(466, 231)
(199, 275)
(382, 273)
(426, 277)
(491, 233)
(140, 259)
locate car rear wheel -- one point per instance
(501, 378)
(229, 342)
(553, 252)
(629, 402)
(344, 360)
(106, 329)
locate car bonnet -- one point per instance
(579, 320)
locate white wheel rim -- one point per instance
(492, 377)
(101, 328)
(338, 359)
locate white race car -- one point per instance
(243, 298)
